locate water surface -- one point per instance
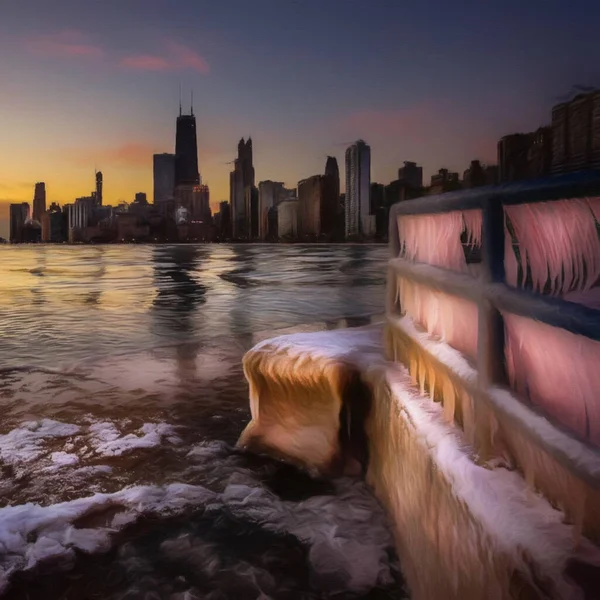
(120, 367)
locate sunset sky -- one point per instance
(88, 84)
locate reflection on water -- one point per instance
(121, 366)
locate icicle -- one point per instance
(468, 417)
(473, 225)
(449, 401)
(434, 239)
(559, 242)
(452, 319)
(432, 384)
(422, 376)
(559, 372)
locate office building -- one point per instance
(475, 175)
(99, 188)
(576, 134)
(287, 220)
(224, 226)
(241, 178)
(411, 174)
(252, 211)
(39, 201)
(539, 154)
(164, 177)
(444, 181)
(186, 151)
(317, 210)
(19, 215)
(358, 187)
(53, 225)
(141, 198)
(80, 215)
(200, 208)
(269, 195)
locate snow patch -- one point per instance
(107, 440)
(25, 443)
(30, 533)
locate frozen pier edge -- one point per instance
(473, 408)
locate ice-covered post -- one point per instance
(491, 357)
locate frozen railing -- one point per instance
(527, 317)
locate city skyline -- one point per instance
(108, 101)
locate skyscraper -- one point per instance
(316, 212)
(186, 151)
(98, 188)
(19, 213)
(241, 177)
(358, 187)
(39, 201)
(411, 174)
(164, 177)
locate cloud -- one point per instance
(145, 62)
(64, 44)
(176, 58)
(131, 155)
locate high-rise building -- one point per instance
(39, 201)
(411, 174)
(475, 175)
(79, 216)
(287, 220)
(576, 133)
(53, 225)
(224, 219)
(19, 214)
(98, 188)
(316, 209)
(358, 187)
(332, 192)
(200, 209)
(332, 172)
(444, 181)
(140, 198)
(270, 195)
(186, 151)
(164, 177)
(241, 178)
(539, 155)
(252, 211)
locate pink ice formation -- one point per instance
(554, 247)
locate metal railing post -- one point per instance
(490, 349)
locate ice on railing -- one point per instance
(436, 238)
(449, 318)
(554, 247)
(558, 371)
(558, 245)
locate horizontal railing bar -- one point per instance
(559, 187)
(556, 312)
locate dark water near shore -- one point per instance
(121, 388)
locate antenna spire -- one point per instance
(192, 102)
(180, 98)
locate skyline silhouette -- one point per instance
(414, 86)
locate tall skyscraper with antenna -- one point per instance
(186, 149)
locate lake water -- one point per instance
(122, 396)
